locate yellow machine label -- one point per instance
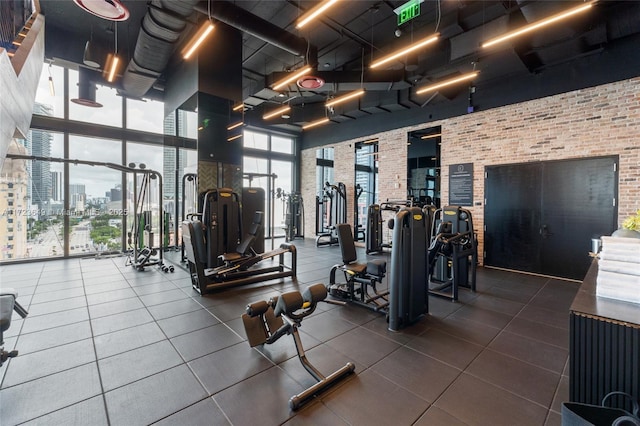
(450, 213)
(225, 194)
(417, 217)
(253, 191)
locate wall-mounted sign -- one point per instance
(461, 184)
(408, 11)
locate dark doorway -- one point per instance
(540, 217)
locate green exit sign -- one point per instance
(408, 11)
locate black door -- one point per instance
(540, 217)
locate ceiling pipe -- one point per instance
(249, 23)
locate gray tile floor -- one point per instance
(106, 344)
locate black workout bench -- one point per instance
(267, 321)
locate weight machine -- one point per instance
(218, 258)
(361, 279)
(293, 207)
(330, 210)
(189, 203)
(359, 232)
(8, 304)
(267, 321)
(140, 257)
(375, 241)
(408, 278)
(141, 238)
(453, 252)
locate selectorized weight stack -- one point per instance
(222, 218)
(408, 288)
(253, 200)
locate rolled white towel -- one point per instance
(629, 268)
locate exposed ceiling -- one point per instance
(346, 38)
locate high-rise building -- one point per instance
(169, 165)
(39, 143)
(56, 186)
(77, 196)
(14, 184)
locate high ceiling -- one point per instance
(347, 38)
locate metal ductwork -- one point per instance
(161, 29)
(246, 22)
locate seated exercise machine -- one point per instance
(293, 208)
(409, 296)
(267, 321)
(375, 241)
(8, 304)
(360, 278)
(453, 252)
(236, 266)
(330, 210)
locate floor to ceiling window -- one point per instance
(269, 154)
(61, 208)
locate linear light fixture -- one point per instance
(315, 123)
(313, 13)
(293, 77)
(415, 46)
(233, 138)
(235, 125)
(344, 98)
(449, 82)
(197, 39)
(276, 112)
(238, 107)
(539, 24)
(368, 141)
(112, 67)
(435, 135)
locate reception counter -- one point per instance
(604, 348)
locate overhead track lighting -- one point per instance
(411, 48)
(313, 13)
(293, 77)
(276, 112)
(197, 39)
(449, 82)
(315, 123)
(539, 24)
(344, 98)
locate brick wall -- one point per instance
(598, 121)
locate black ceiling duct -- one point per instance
(246, 22)
(86, 89)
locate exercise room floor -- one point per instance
(106, 344)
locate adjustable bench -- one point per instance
(267, 321)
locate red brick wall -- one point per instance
(598, 121)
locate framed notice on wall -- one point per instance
(461, 184)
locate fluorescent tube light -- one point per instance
(344, 98)
(539, 24)
(233, 138)
(449, 82)
(197, 39)
(276, 112)
(315, 123)
(238, 107)
(294, 76)
(313, 13)
(435, 135)
(415, 46)
(233, 126)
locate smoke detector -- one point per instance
(310, 82)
